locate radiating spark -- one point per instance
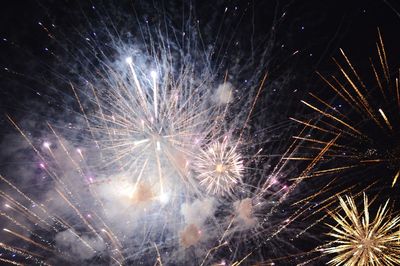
(27, 239)
(220, 168)
(360, 240)
(11, 262)
(25, 253)
(386, 119)
(373, 120)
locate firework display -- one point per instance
(361, 239)
(372, 126)
(159, 134)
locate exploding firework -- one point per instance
(360, 240)
(363, 119)
(154, 126)
(155, 165)
(220, 168)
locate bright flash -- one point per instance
(46, 145)
(163, 198)
(153, 74)
(219, 168)
(129, 60)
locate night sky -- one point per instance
(48, 46)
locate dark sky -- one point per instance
(310, 26)
(314, 28)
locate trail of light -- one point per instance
(328, 106)
(159, 261)
(78, 168)
(364, 101)
(316, 159)
(66, 150)
(227, 229)
(386, 119)
(14, 221)
(82, 110)
(79, 215)
(211, 250)
(56, 178)
(116, 245)
(160, 177)
(291, 256)
(319, 142)
(101, 111)
(51, 174)
(351, 101)
(109, 231)
(242, 260)
(332, 117)
(308, 199)
(137, 83)
(340, 130)
(382, 56)
(326, 203)
(378, 80)
(297, 180)
(253, 105)
(308, 124)
(278, 167)
(30, 215)
(25, 253)
(332, 170)
(11, 262)
(29, 199)
(352, 68)
(395, 178)
(155, 92)
(28, 240)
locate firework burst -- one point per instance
(220, 168)
(158, 162)
(360, 240)
(364, 118)
(154, 126)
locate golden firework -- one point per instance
(359, 240)
(364, 117)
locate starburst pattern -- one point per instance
(219, 167)
(364, 117)
(152, 124)
(360, 240)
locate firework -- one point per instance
(364, 116)
(220, 168)
(158, 162)
(360, 240)
(155, 126)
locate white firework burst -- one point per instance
(219, 167)
(158, 139)
(151, 128)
